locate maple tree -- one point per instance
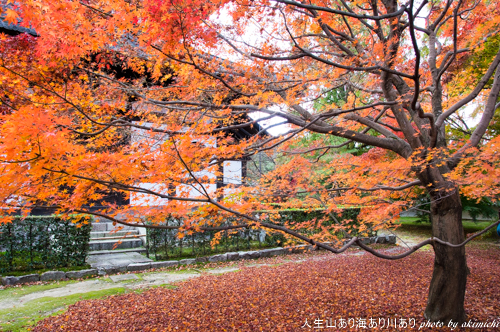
(196, 69)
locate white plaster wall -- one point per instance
(154, 140)
(232, 171)
(200, 174)
(140, 199)
(195, 190)
(209, 142)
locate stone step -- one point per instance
(103, 234)
(117, 251)
(108, 226)
(110, 244)
(117, 238)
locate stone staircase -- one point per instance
(104, 239)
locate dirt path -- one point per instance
(406, 239)
(144, 280)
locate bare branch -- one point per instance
(340, 12)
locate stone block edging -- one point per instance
(48, 276)
(134, 267)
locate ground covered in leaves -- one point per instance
(346, 291)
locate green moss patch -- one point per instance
(21, 318)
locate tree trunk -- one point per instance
(447, 288)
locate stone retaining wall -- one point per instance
(230, 256)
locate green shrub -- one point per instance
(38, 242)
(165, 243)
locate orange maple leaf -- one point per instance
(11, 16)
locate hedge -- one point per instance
(40, 242)
(165, 244)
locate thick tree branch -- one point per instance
(489, 111)
(471, 96)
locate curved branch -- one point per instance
(319, 148)
(430, 241)
(343, 13)
(403, 187)
(118, 221)
(275, 58)
(351, 242)
(393, 257)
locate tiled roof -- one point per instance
(13, 29)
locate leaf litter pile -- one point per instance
(346, 291)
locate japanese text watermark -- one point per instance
(361, 323)
(394, 322)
